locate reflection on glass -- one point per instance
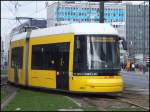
(102, 53)
(96, 53)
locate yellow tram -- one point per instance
(81, 57)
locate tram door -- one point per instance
(62, 74)
(16, 70)
(17, 57)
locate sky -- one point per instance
(35, 9)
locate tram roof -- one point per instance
(76, 28)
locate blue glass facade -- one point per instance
(74, 14)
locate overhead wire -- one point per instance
(7, 26)
(37, 11)
(24, 5)
(13, 14)
(10, 10)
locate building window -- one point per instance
(17, 57)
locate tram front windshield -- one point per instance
(96, 53)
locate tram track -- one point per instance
(132, 103)
(8, 90)
(4, 81)
(4, 78)
(105, 102)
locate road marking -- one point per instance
(70, 110)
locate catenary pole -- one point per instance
(101, 11)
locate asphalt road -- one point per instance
(136, 79)
(139, 81)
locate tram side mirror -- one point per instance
(124, 43)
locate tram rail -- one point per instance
(109, 100)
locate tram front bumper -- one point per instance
(97, 84)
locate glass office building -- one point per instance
(76, 12)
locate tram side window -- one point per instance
(43, 57)
(50, 56)
(36, 57)
(17, 57)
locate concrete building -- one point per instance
(137, 29)
(60, 13)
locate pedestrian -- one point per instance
(136, 67)
(125, 64)
(133, 67)
(144, 69)
(121, 64)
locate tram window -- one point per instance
(17, 57)
(79, 53)
(43, 57)
(63, 57)
(36, 57)
(48, 56)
